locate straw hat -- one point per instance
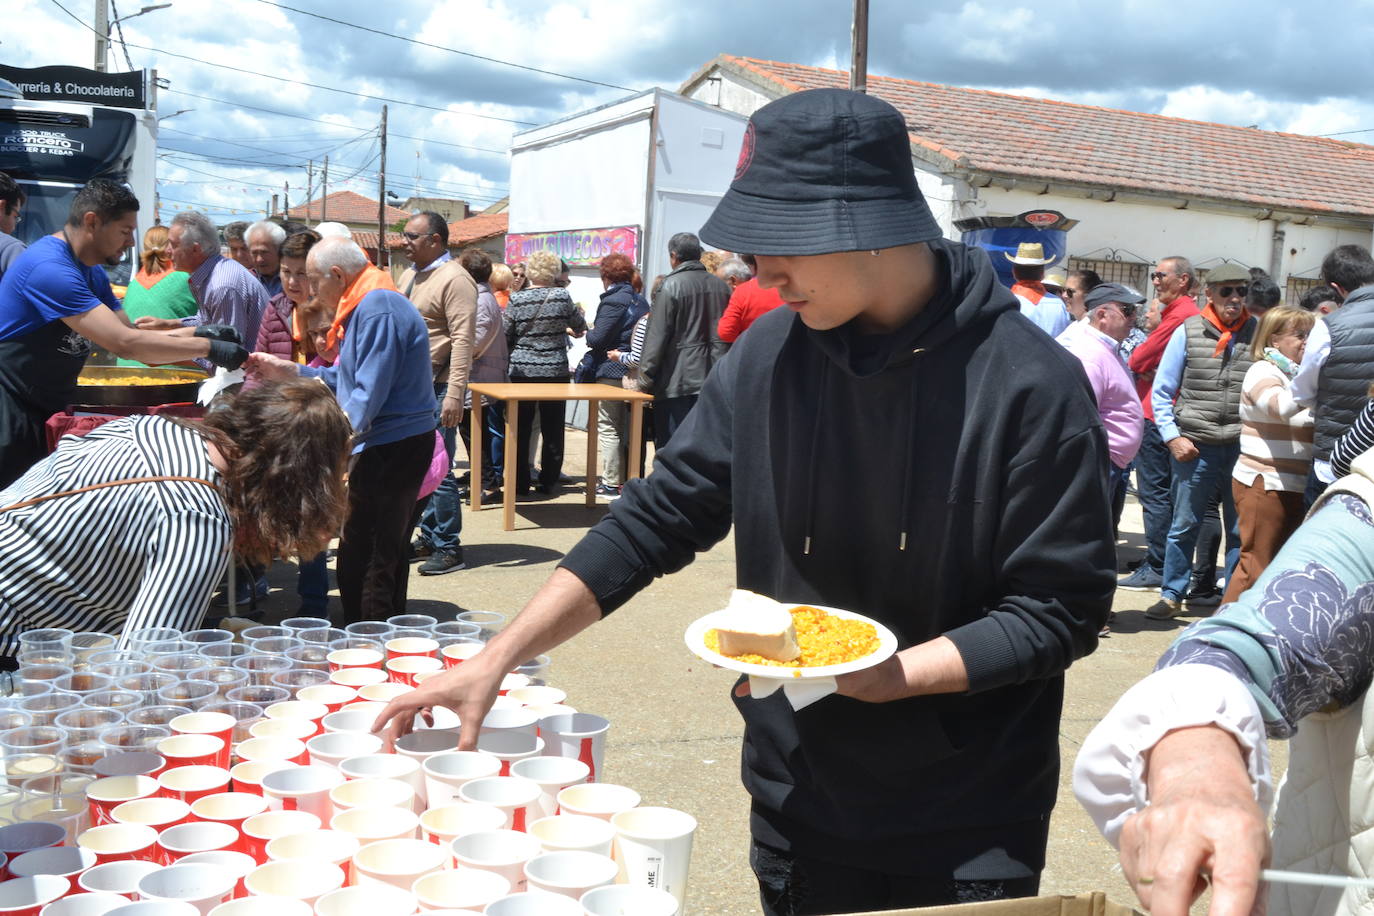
(1031, 254)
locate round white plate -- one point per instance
(696, 641)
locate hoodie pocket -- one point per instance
(882, 743)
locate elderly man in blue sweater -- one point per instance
(382, 379)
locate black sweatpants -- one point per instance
(373, 563)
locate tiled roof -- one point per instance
(346, 207)
(463, 232)
(367, 239)
(975, 130)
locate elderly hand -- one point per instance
(271, 368)
(1202, 821)
(1182, 448)
(469, 690)
(451, 413)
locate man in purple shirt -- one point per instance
(226, 291)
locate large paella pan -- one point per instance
(134, 387)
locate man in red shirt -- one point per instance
(1173, 280)
(747, 303)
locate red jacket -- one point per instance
(274, 334)
(1145, 357)
(747, 303)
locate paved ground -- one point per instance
(675, 734)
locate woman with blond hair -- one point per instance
(537, 321)
(502, 279)
(1275, 445)
(157, 290)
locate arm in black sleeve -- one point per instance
(610, 325)
(661, 522)
(1358, 439)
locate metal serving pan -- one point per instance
(128, 386)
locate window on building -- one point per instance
(1297, 288)
(1132, 273)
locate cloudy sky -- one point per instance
(241, 135)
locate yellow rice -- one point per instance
(823, 638)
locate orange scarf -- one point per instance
(370, 279)
(1210, 315)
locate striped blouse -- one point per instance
(128, 556)
(1275, 432)
(1358, 439)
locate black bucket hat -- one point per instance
(822, 171)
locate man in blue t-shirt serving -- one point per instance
(56, 301)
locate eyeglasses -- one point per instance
(1127, 311)
(1068, 293)
(1228, 291)
(1159, 275)
(416, 236)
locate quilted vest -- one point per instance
(1207, 409)
(1324, 812)
(1343, 383)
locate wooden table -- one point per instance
(513, 394)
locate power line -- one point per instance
(275, 152)
(287, 79)
(426, 44)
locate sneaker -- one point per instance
(1144, 579)
(245, 592)
(605, 492)
(1166, 609)
(1203, 596)
(1107, 627)
(420, 550)
(492, 496)
(443, 561)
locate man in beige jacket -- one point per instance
(446, 297)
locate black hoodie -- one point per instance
(948, 478)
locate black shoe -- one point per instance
(492, 496)
(1203, 596)
(420, 550)
(443, 561)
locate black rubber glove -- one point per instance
(228, 354)
(223, 332)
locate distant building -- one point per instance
(348, 207)
(485, 231)
(450, 209)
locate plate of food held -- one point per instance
(800, 648)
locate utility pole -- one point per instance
(383, 256)
(309, 190)
(858, 55)
(102, 34)
(274, 207)
(286, 200)
(324, 192)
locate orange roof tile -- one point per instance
(346, 207)
(976, 130)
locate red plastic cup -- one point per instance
(403, 668)
(193, 750)
(421, 646)
(120, 842)
(156, 812)
(103, 795)
(458, 652)
(299, 710)
(354, 658)
(26, 896)
(196, 836)
(333, 696)
(191, 783)
(232, 808)
(219, 724)
(64, 861)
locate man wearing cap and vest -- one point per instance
(1038, 304)
(973, 520)
(1196, 401)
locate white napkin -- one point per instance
(800, 692)
(216, 383)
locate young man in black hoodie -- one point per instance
(974, 520)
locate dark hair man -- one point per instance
(682, 343)
(235, 238)
(1321, 299)
(446, 297)
(1334, 376)
(56, 301)
(860, 443)
(1264, 294)
(12, 199)
(1173, 278)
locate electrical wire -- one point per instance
(119, 27)
(426, 44)
(275, 152)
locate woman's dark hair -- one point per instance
(477, 263)
(12, 196)
(298, 245)
(617, 268)
(287, 447)
(637, 281)
(1089, 277)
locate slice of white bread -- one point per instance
(753, 624)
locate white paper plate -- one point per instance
(696, 641)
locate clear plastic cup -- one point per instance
(370, 629)
(305, 623)
(124, 701)
(84, 682)
(33, 739)
(46, 708)
(149, 635)
(86, 723)
(190, 693)
(410, 633)
(43, 657)
(16, 768)
(179, 663)
(224, 679)
(262, 632)
(311, 657)
(67, 811)
(73, 784)
(413, 622)
(276, 645)
(260, 668)
(133, 737)
(490, 622)
(536, 668)
(160, 714)
(208, 637)
(88, 643)
(263, 695)
(14, 718)
(155, 650)
(43, 672)
(357, 642)
(245, 716)
(117, 666)
(455, 628)
(222, 654)
(81, 756)
(324, 635)
(297, 679)
(148, 683)
(52, 639)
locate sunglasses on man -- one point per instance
(416, 236)
(1127, 310)
(1228, 291)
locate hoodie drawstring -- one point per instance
(908, 436)
(817, 430)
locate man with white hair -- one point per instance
(226, 292)
(264, 240)
(383, 381)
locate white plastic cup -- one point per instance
(119, 878)
(405, 669)
(300, 729)
(287, 750)
(333, 696)
(219, 724)
(27, 896)
(238, 864)
(246, 777)
(370, 793)
(623, 899)
(350, 719)
(424, 743)
(514, 718)
(597, 799)
(387, 766)
(502, 851)
(155, 908)
(300, 880)
(539, 695)
(317, 845)
(358, 678)
(574, 832)
(84, 905)
(355, 659)
(460, 889)
(399, 863)
(157, 812)
(509, 746)
(509, 793)
(198, 836)
(552, 775)
(191, 783)
(441, 825)
(299, 710)
(366, 900)
(534, 904)
(654, 848)
(194, 749)
(569, 873)
(580, 735)
(104, 795)
(119, 842)
(230, 808)
(203, 886)
(382, 693)
(262, 828)
(446, 773)
(21, 837)
(263, 906)
(332, 748)
(64, 861)
(302, 789)
(381, 822)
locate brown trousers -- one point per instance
(1266, 518)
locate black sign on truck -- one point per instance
(77, 84)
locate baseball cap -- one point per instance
(1103, 293)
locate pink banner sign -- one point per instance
(579, 247)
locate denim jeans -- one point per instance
(441, 522)
(493, 442)
(1153, 476)
(1195, 483)
(313, 584)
